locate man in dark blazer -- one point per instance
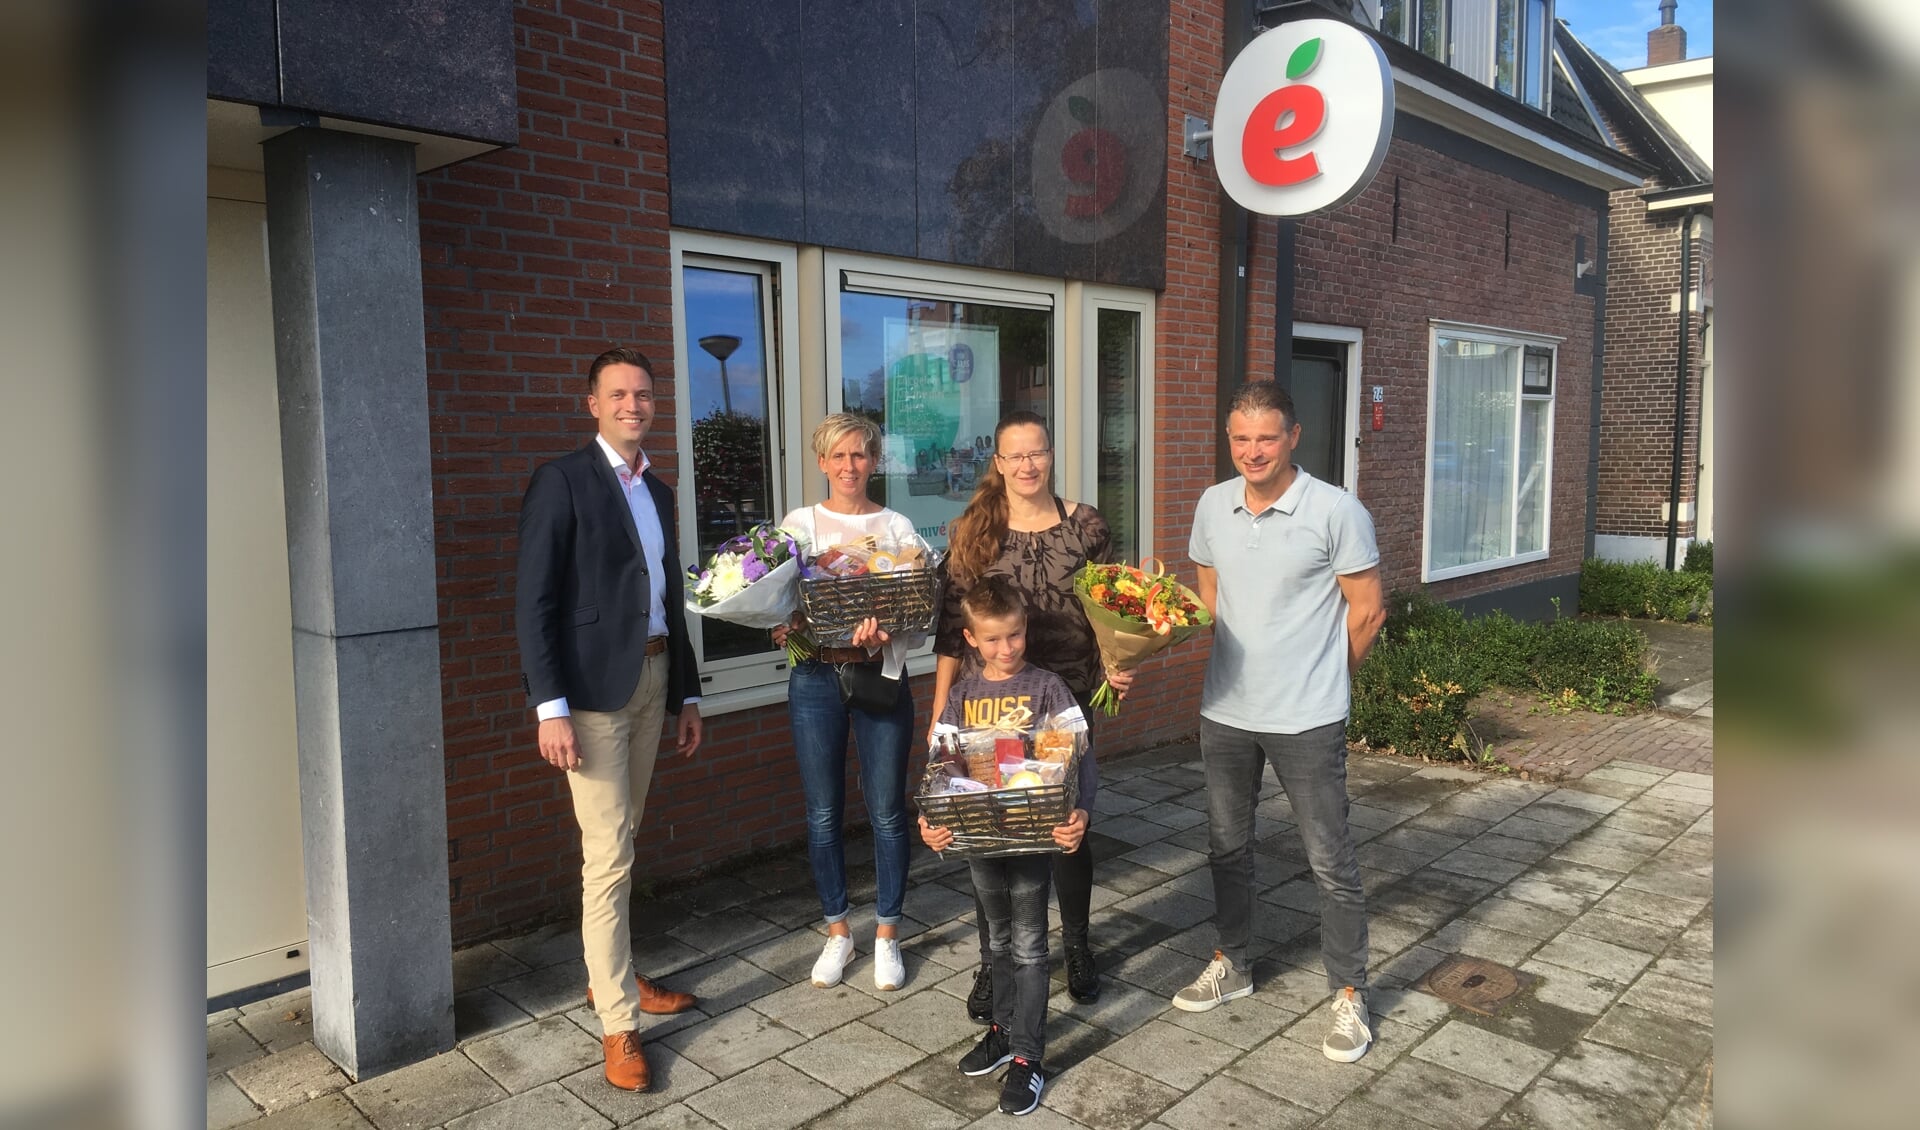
(605, 657)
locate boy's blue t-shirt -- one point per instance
(978, 703)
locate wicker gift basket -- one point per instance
(897, 585)
(1002, 821)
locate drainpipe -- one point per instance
(1231, 346)
(1680, 384)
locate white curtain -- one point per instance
(1473, 452)
(1530, 524)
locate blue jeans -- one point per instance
(821, 723)
(1312, 767)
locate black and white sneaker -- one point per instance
(1021, 1092)
(980, 1000)
(994, 1049)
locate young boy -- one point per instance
(1013, 889)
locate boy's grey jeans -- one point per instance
(1312, 767)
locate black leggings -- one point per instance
(1072, 884)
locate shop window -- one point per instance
(1489, 455)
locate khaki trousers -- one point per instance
(617, 752)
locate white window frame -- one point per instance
(757, 680)
(1436, 329)
(1355, 340)
(1082, 475)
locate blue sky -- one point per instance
(1617, 29)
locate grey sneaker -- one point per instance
(1349, 1038)
(1218, 982)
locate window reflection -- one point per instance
(937, 376)
(729, 394)
(1118, 374)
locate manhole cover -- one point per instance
(1474, 983)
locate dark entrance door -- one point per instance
(1320, 398)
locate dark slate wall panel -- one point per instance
(444, 66)
(858, 99)
(1054, 53)
(240, 51)
(1131, 103)
(735, 133)
(963, 63)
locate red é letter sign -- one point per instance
(1304, 118)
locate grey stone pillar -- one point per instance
(344, 250)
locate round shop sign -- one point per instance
(1304, 118)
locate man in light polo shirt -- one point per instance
(1289, 569)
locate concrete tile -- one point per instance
(1440, 1097)
(1387, 935)
(428, 1093)
(1576, 798)
(1424, 843)
(1617, 790)
(651, 1027)
(1589, 854)
(1647, 823)
(1633, 933)
(671, 1079)
(1404, 1005)
(291, 1077)
(549, 945)
(1198, 883)
(222, 1016)
(227, 1105)
(938, 1078)
(1479, 1054)
(725, 932)
(726, 983)
(1245, 1024)
(952, 945)
(733, 1042)
(1669, 790)
(659, 956)
(482, 1012)
(1379, 819)
(1591, 955)
(1225, 1103)
(1490, 867)
(280, 1029)
(935, 905)
(1654, 1034)
(1551, 811)
(1396, 860)
(679, 1116)
(550, 1106)
(1407, 903)
(1553, 896)
(1391, 1039)
(890, 1108)
(852, 1058)
(229, 1046)
(1127, 878)
(1506, 847)
(1631, 1089)
(476, 967)
(1670, 996)
(544, 992)
(328, 1112)
(1102, 1095)
(1696, 969)
(1476, 939)
(1168, 907)
(1149, 789)
(790, 956)
(1167, 858)
(1684, 883)
(301, 998)
(1523, 827)
(1359, 1114)
(1112, 802)
(524, 1057)
(1408, 966)
(1121, 1007)
(1571, 989)
(929, 1021)
(1298, 894)
(1448, 824)
(810, 1010)
(1176, 1056)
(1175, 816)
(1301, 1075)
(1450, 886)
(1660, 909)
(1133, 830)
(1515, 917)
(1626, 774)
(771, 1096)
(1293, 988)
(1160, 971)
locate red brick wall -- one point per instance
(1642, 359)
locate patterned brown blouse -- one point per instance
(1042, 566)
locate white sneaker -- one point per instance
(1347, 1040)
(833, 961)
(889, 972)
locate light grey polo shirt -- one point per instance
(1279, 663)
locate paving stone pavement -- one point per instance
(1598, 886)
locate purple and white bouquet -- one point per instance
(751, 580)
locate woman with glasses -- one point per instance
(1016, 527)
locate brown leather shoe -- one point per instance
(656, 1000)
(626, 1063)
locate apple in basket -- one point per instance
(1025, 779)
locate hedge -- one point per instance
(1645, 589)
(1411, 694)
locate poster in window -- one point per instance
(943, 400)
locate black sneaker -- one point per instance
(1021, 1092)
(1083, 976)
(994, 1049)
(980, 1000)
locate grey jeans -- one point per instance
(1013, 891)
(1312, 767)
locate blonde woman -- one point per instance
(847, 448)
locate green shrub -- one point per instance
(1699, 558)
(1645, 589)
(1592, 663)
(1405, 696)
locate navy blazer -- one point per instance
(581, 598)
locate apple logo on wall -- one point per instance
(1098, 156)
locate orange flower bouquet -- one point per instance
(1135, 613)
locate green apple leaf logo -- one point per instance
(1303, 58)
